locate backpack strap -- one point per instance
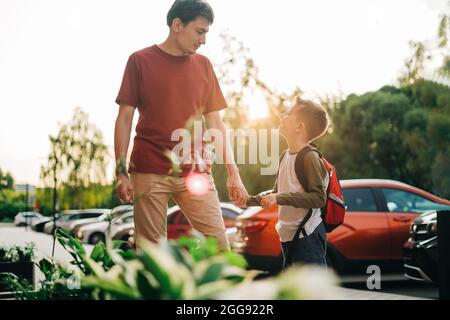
(300, 165)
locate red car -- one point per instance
(376, 226)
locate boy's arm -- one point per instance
(256, 200)
(315, 197)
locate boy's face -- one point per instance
(191, 36)
(290, 123)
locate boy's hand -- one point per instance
(269, 200)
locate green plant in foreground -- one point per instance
(190, 268)
(17, 253)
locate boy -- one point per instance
(302, 234)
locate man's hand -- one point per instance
(124, 189)
(269, 200)
(236, 190)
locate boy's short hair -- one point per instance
(314, 116)
(189, 10)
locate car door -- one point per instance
(365, 232)
(402, 208)
(229, 217)
(178, 226)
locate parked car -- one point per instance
(67, 218)
(75, 225)
(26, 218)
(38, 224)
(93, 233)
(376, 226)
(420, 252)
(177, 224)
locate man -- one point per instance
(169, 84)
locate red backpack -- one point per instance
(334, 210)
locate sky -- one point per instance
(57, 55)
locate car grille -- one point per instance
(421, 233)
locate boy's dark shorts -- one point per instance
(307, 250)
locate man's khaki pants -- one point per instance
(151, 195)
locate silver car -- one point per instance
(93, 233)
(26, 218)
(67, 218)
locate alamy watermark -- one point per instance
(374, 280)
(202, 147)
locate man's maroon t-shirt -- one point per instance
(168, 91)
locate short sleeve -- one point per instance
(129, 89)
(216, 100)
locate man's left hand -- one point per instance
(236, 190)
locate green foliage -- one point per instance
(401, 134)
(189, 269)
(11, 203)
(17, 253)
(169, 271)
(94, 196)
(6, 180)
(78, 158)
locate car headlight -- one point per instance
(80, 234)
(131, 232)
(432, 227)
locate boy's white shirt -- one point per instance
(289, 218)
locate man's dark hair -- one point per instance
(189, 10)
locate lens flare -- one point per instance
(197, 184)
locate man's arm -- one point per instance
(236, 189)
(122, 134)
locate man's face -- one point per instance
(192, 35)
(289, 121)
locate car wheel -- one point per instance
(96, 238)
(127, 245)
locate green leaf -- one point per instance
(116, 287)
(98, 252)
(236, 259)
(172, 277)
(210, 272)
(211, 289)
(47, 268)
(127, 255)
(73, 243)
(116, 244)
(148, 286)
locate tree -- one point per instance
(426, 51)
(78, 158)
(6, 180)
(395, 133)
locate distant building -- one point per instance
(31, 193)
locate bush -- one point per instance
(17, 253)
(11, 203)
